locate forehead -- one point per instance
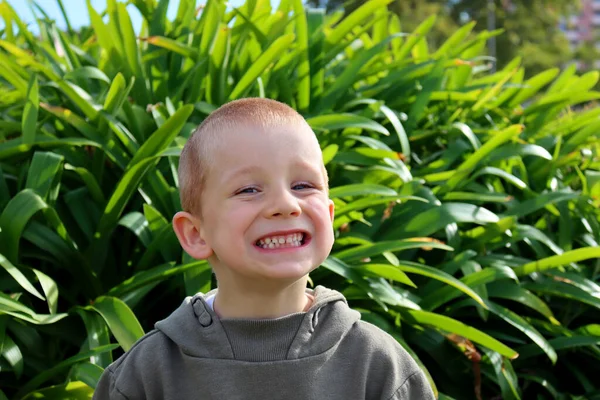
(249, 141)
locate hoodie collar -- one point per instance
(199, 332)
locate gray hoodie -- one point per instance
(324, 353)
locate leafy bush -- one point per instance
(467, 202)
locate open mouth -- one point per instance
(275, 241)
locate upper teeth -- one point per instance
(273, 242)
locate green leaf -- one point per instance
(385, 271)
(421, 31)
(216, 85)
(50, 289)
(87, 72)
(329, 152)
(19, 277)
(457, 38)
(395, 121)
(163, 136)
(577, 280)
(14, 218)
(519, 150)
(564, 290)
(497, 139)
(30, 112)
(430, 84)
(361, 189)
(354, 276)
(510, 291)
(156, 274)
(447, 324)
(261, 64)
(18, 310)
(478, 197)
(558, 260)
(131, 50)
(372, 249)
(102, 34)
(12, 353)
(493, 91)
(136, 172)
(60, 367)
(468, 132)
(350, 74)
(44, 174)
(565, 99)
(120, 319)
(173, 45)
(559, 343)
(424, 270)
(328, 122)
(136, 222)
(369, 202)
(436, 218)
(538, 202)
(507, 379)
(533, 85)
(434, 299)
(117, 94)
(90, 182)
(522, 325)
(209, 20)
(315, 19)
(97, 335)
(4, 191)
(303, 69)
(499, 173)
(356, 18)
(92, 137)
(87, 373)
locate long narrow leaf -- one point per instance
(448, 324)
(120, 319)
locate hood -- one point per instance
(199, 332)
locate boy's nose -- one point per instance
(284, 205)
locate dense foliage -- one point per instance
(532, 28)
(467, 202)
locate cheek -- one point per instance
(321, 218)
(238, 218)
(320, 213)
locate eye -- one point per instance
(301, 186)
(247, 190)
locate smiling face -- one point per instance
(265, 208)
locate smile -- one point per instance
(296, 239)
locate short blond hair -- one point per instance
(196, 155)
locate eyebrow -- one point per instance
(307, 166)
(242, 171)
(253, 168)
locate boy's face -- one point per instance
(265, 187)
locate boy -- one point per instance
(255, 197)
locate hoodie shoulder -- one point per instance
(154, 340)
(129, 375)
(391, 370)
(381, 344)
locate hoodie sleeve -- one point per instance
(106, 389)
(414, 387)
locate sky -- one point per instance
(78, 15)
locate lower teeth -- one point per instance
(278, 246)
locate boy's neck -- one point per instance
(257, 302)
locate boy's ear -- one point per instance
(187, 229)
(331, 209)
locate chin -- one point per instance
(286, 272)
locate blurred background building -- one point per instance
(583, 32)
